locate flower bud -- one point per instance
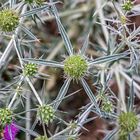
(75, 67)
(46, 113)
(128, 5)
(9, 20)
(5, 117)
(30, 69)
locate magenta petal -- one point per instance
(10, 132)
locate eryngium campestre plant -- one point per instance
(9, 20)
(77, 65)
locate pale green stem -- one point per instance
(16, 93)
(121, 86)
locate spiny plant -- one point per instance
(108, 58)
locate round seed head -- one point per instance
(75, 67)
(5, 117)
(46, 113)
(9, 20)
(30, 69)
(128, 122)
(128, 5)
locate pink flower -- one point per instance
(10, 132)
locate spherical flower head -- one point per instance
(128, 5)
(107, 106)
(5, 117)
(10, 131)
(128, 122)
(30, 69)
(41, 138)
(9, 20)
(37, 2)
(46, 113)
(75, 67)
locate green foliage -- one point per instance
(9, 20)
(75, 67)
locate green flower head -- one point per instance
(128, 5)
(46, 113)
(128, 122)
(9, 20)
(75, 67)
(30, 69)
(5, 116)
(107, 106)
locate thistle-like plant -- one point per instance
(114, 43)
(76, 66)
(127, 122)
